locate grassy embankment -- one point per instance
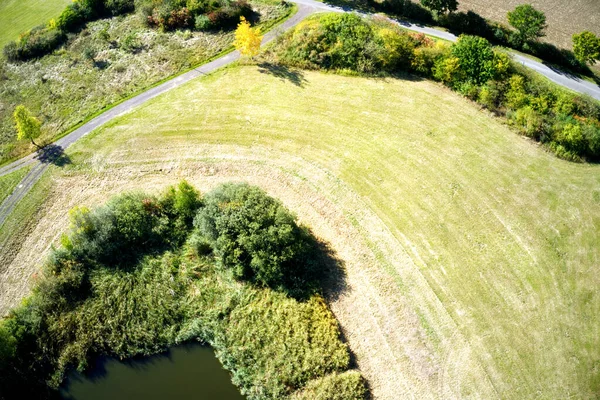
(480, 271)
(10, 181)
(17, 16)
(108, 61)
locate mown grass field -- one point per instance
(17, 16)
(471, 254)
(564, 18)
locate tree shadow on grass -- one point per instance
(284, 73)
(53, 154)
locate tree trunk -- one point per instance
(35, 144)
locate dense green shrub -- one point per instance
(349, 385)
(34, 43)
(257, 238)
(529, 121)
(475, 58)
(570, 136)
(118, 7)
(130, 224)
(348, 42)
(591, 134)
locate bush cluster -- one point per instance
(198, 14)
(163, 14)
(134, 277)
(257, 238)
(471, 23)
(34, 43)
(567, 123)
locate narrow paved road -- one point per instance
(306, 7)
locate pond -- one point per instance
(185, 372)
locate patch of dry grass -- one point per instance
(471, 254)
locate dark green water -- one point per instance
(185, 372)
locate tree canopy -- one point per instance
(475, 58)
(586, 47)
(247, 39)
(440, 6)
(256, 237)
(28, 126)
(529, 22)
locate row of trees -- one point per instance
(568, 124)
(530, 25)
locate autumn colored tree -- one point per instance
(28, 126)
(247, 39)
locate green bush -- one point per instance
(130, 224)
(570, 136)
(516, 96)
(349, 385)
(475, 58)
(202, 23)
(490, 95)
(330, 41)
(118, 7)
(591, 134)
(529, 121)
(425, 57)
(33, 44)
(395, 48)
(256, 237)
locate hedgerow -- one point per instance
(131, 279)
(470, 66)
(162, 14)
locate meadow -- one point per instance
(470, 252)
(17, 16)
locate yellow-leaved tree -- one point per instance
(247, 39)
(28, 126)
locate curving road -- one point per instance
(306, 7)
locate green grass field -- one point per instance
(480, 275)
(17, 16)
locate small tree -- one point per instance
(586, 47)
(440, 6)
(247, 39)
(475, 57)
(529, 22)
(28, 126)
